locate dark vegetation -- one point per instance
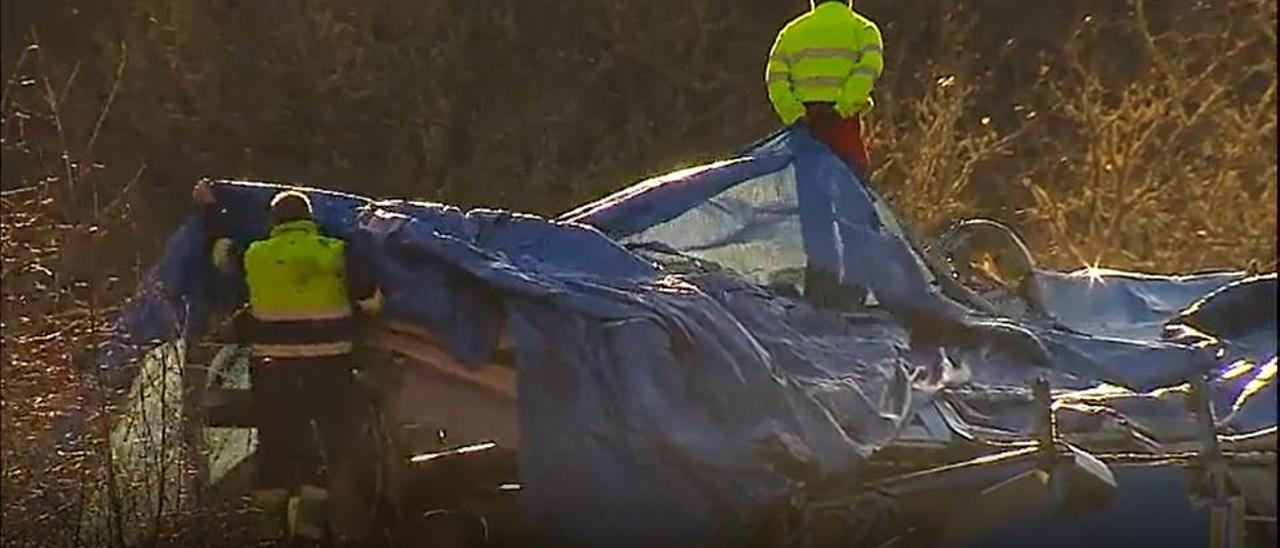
(1127, 134)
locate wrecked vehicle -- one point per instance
(642, 371)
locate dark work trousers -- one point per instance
(307, 416)
(843, 135)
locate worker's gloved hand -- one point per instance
(221, 253)
(853, 108)
(372, 305)
(202, 194)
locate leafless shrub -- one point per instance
(1170, 166)
(70, 257)
(931, 148)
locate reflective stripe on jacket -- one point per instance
(296, 280)
(830, 54)
(302, 350)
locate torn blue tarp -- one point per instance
(644, 396)
(794, 204)
(687, 399)
(1238, 311)
(1124, 305)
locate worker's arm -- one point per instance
(855, 94)
(224, 253)
(362, 288)
(230, 291)
(777, 79)
(221, 251)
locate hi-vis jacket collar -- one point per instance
(302, 225)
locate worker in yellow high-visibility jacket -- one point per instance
(302, 288)
(821, 70)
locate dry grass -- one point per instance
(1142, 143)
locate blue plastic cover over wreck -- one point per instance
(660, 407)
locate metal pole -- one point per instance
(1046, 430)
(1226, 513)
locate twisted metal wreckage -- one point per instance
(673, 389)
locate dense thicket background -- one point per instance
(539, 105)
(1130, 134)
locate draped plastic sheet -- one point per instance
(1123, 304)
(668, 408)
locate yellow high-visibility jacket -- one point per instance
(830, 54)
(298, 296)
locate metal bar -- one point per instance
(1046, 429)
(974, 472)
(1226, 513)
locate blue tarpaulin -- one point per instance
(661, 406)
